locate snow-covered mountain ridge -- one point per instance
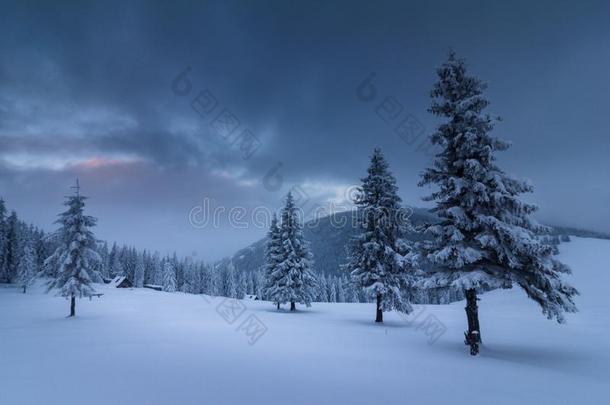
(328, 241)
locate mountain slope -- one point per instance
(329, 236)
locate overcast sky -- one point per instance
(91, 91)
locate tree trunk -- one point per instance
(278, 305)
(292, 306)
(72, 306)
(473, 336)
(379, 317)
(24, 287)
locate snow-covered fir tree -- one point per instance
(149, 268)
(11, 248)
(105, 255)
(27, 267)
(229, 285)
(158, 266)
(187, 279)
(207, 285)
(129, 263)
(199, 279)
(250, 282)
(215, 281)
(259, 284)
(118, 268)
(3, 276)
(76, 255)
(273, 258)
(113, 260)
(485, 239)
(379, 258)
(322, 294)
(332, 290)
(169, 276)
(295, 280)
(241, 285)
(138, 277)
(352, 292)
(42, 248)
(341, 295)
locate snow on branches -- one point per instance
(486, 238)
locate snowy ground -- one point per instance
(148, 347)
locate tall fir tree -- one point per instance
(296, 282)
(259, 283)
(241, 286)
(341, 293)
(215, 281)
(3, 235)
(273, 257)
(129, 264)
(50, 264)
(321, 290)
(229, 285)
(76, 255)
(169, 276)
(158, 265)
(113, 261)
(105, 255)
(485, 238)
(206, 279)
(332, 290)
(380, 259)
(138, 278)
(27, 267)
(251, 283)
(187, 278)
(42, 249)
(11, 248)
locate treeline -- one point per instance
(143, 268)
(24, 249)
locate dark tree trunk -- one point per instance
(278, 305)
(292, 306)
(24, 287)
(72, 306)
(379, 317)
(473, 336)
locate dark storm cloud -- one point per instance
(84, 82)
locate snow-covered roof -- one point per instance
(117, 280)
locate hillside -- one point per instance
(328, 242)
(137, 346)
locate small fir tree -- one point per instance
(27, 267)
(273, 257)
(76, 254)
(169, 277)
(379, 258)
(293, 278)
